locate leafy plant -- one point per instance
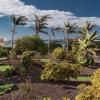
(91, 92)
(3, 52)
(31, 43)
(86, 52)
(26, 60)
(72, 70)
(59, 53)
(61, 71)
(95, 78)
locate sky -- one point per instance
(76, 11)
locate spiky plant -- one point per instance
(86, 52)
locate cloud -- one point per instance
(17, 7)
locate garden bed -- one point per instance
(55, 90)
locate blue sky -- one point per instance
(76, 10)
(79, 7)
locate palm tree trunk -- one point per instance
(67, 43)
(49, 47)
(37, 33)
(37, 30)
(13, 34)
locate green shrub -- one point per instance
(31, 43)
(59, 53)
(3, 52)
(54, 71)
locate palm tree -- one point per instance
(69, 29)
(40, 24)
(16, 22)
(53, 29)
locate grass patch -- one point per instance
(82, 78)
(44, 60)
(5, 88)
(3, 58)
(41, 61)
(3, 68)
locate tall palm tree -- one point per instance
(17, 21)
(41, 24)
(53, 29)
(69, 29)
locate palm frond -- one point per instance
(44, 32)
(88, 26)
(70, 28)
(21, 20)
(44, 18)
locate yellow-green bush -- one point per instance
(26, 60)
(27, 57)
(91, 92)
(61, 71)
(72, 70)
(95, 78)
(51, 71)
(59, 53)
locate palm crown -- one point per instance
(41, 24)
